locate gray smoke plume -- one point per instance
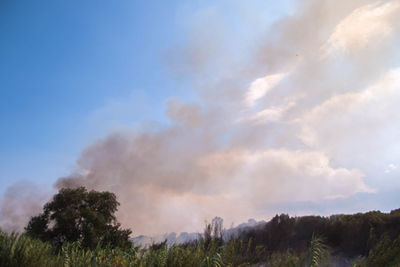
(21, 201)
(282, 127)
(310, 115)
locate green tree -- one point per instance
(76, 214)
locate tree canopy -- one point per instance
(76, 214)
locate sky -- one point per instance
(61, 62)
(238, 109)
(72, 72)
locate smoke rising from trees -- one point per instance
(307, 116)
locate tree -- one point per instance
(213, 232)
(76, 214)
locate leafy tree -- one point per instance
(76, 214)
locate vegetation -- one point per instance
(78, 228)
(23, 250)
(76, 214)
(347, 235)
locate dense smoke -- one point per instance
(310, 115)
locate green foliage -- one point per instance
(76, 214)
(73, 254)
(215, 261)
(21, 250)
(382, 230)
(318, 252)
(385, 253)
(287, 259)
(352, 235)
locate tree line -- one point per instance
(350, 235)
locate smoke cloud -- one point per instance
(21, 201)
(309, 115)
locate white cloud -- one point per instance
(390, 168)
(260, 87)
(272, 114)
(280, 175)
(366, 24)
(344, 117)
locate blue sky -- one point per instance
(60, 61)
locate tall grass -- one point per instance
(319, 254)
(385, 253)
(21, 250)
